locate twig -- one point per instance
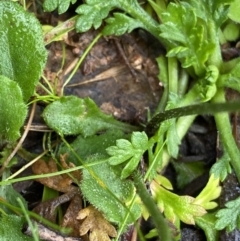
(123, 55)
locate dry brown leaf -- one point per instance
(47, 209)
(70, 217)
(94, 222)
(76, 174)
(61, 183)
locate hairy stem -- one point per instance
(161, 225)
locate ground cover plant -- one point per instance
(112, 172)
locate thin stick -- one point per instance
(104, 75)
(123, 55)
(27, 165)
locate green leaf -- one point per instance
(23, 55)
(163, 67)
(5, 153)
(85, 147)
(176, 207)
(207, 85)
(158, 7)
(128, 151)
(11, 228)
(211, 9)
(62, 5)
(187, 37)
(92, 13)
(207, 224)
(13, 110)
(103, 188)
(222, 167)
(229, 217)
(164, 182)
(187, 172)
(211, 192)
(95, 11)
(8, 193)
(71, 115)
(120, 24)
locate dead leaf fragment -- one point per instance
(100, 229)
(47, 209)
(70, 217)
(61, 183)
(49, 235)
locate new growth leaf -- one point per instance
(126, 151)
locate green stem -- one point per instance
(162, 103)
(161, 225)
(173, 75)
(225, 131)
(183, 82)
(182, 126)
(90, 46)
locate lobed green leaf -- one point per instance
(186, 35)
(92, 14)
(176, 207)
(211, 9)
(229, 217)
(207, 223)
(61, 5)
(222, 167)
(211, 192)
(120, 24)
(130, 152)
